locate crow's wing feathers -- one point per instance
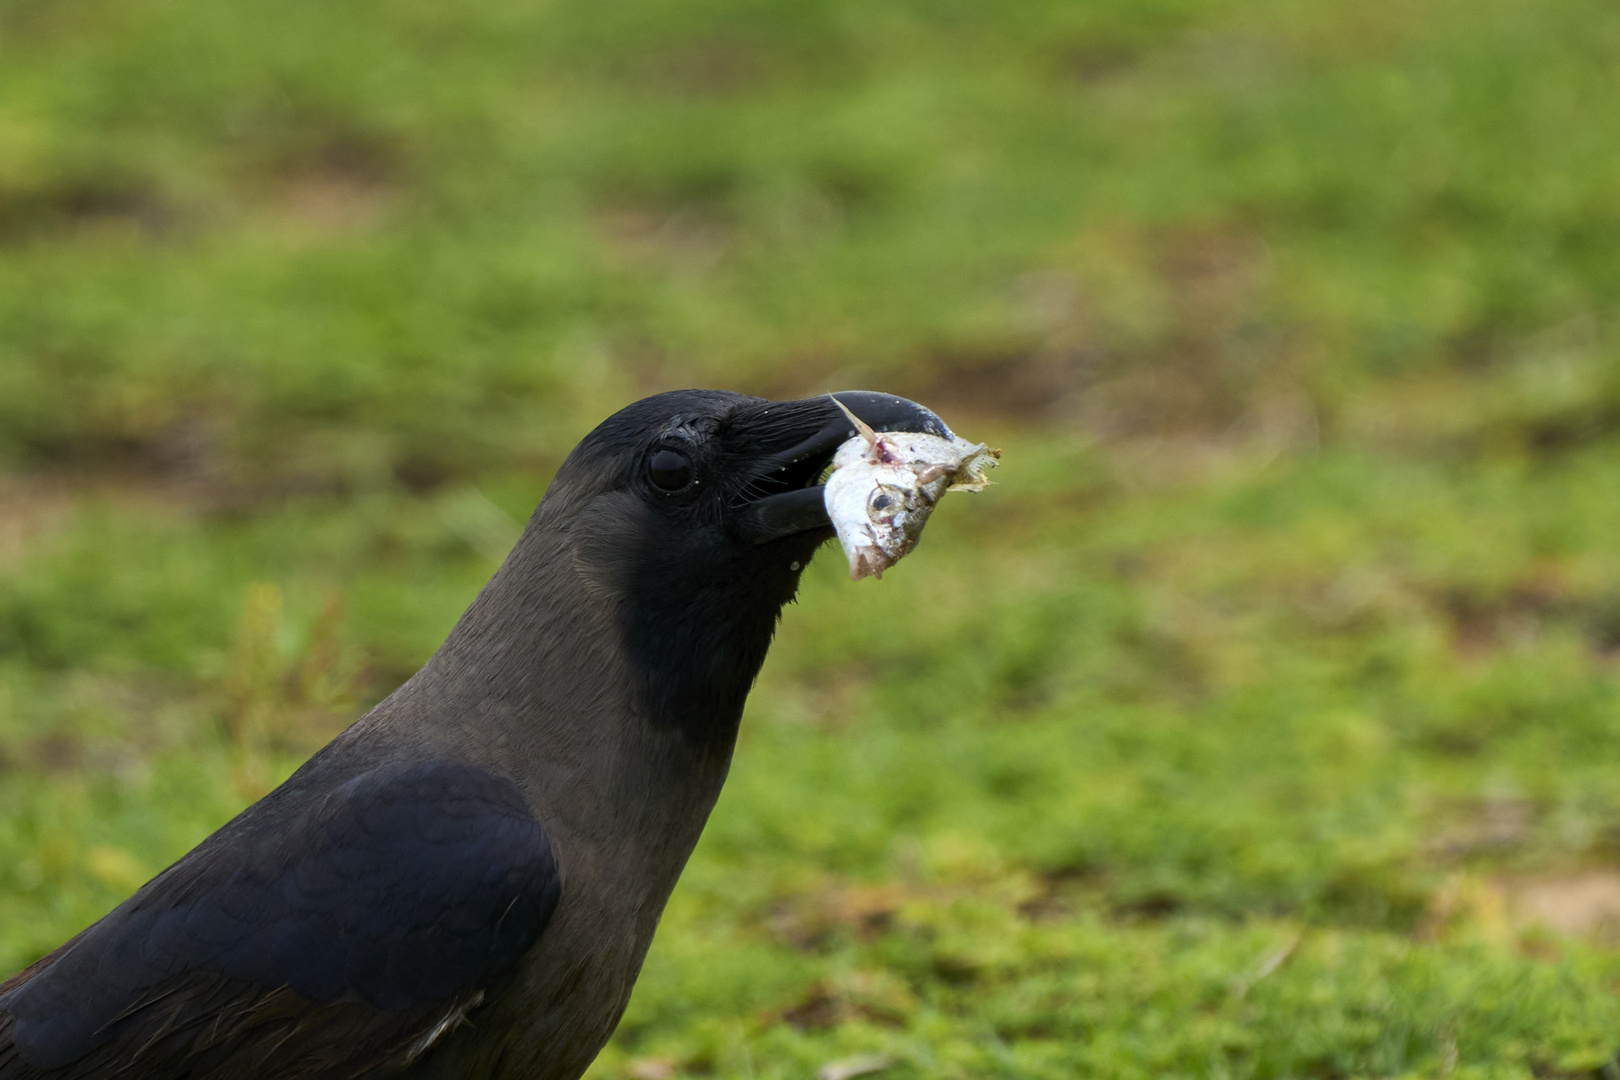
(337, 936)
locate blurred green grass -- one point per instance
(1260, 722)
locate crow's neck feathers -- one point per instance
(628, 624)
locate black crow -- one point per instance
(464, 883)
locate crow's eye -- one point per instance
(669, 471)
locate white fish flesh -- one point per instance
(884, 484)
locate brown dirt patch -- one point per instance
(328, 201)
(1585, 903)
(811, 922)
(1509, 908)
(343, 183)
(30, 512)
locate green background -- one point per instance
(1262, 721)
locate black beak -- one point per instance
(789, 500)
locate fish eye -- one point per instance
(884, 501)
(669, 471)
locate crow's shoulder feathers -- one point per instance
(360, 922)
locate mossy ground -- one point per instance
(1262, 721)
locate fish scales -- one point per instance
(885, 484)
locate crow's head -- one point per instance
(693, 513)
(730, 479)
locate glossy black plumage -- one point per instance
(464, 883)
(401, 891)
